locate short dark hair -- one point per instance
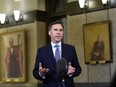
(55, 22)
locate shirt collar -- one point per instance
(53, 44)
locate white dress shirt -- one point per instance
(54, 48)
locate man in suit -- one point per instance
(13, 60)
(113, 82)
(45, 64)
(98, 49)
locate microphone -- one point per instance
(61, 65)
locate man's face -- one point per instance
(11, 43)
(56, 33)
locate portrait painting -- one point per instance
(97, 42)
(12, 56)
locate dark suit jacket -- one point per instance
(113, 82)
(46, 57)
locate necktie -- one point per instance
(57, 57)
(57, 53)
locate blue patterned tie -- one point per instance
(57, 53)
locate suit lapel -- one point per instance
(63, 51)
(50, 54)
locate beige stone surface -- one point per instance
(8, 6)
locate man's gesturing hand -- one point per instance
(42, 70)
(71, 69)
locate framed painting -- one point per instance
(97, 42)
(12, 56)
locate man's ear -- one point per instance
(49, 33)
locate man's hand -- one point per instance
(71, 69)
(97, 53)
(42, 70)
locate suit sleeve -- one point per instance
(75, 63)
(36, 67)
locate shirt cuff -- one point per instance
(42, 75)
(70, 75)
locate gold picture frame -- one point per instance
(97, 42)
(12, 56)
